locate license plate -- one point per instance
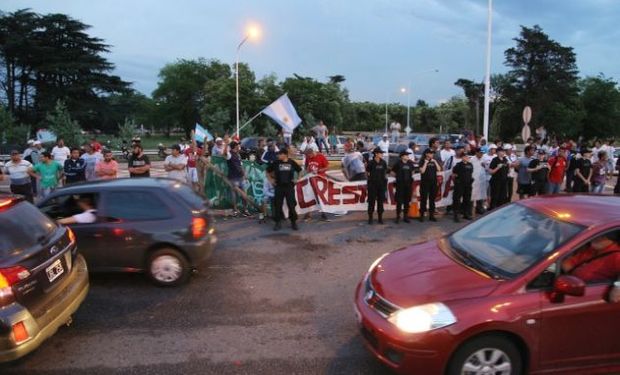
(54, 270)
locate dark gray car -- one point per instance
(153, 225)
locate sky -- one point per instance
(379, 46)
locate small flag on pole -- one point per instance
(201, 134)
(283, 112)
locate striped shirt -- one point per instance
(18, 172)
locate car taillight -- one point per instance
(9, 277)
(199, 227)
(71, 235)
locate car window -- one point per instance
(596, 261)
(134, 205)
(22, 227)
(188, 196)
(65, 205)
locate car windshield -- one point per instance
(512, 239)
(22, 226)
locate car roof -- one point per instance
(582, 209)
(123, 183)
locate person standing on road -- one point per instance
(60, 152)
(321, 132)
(480, 186)
(377, 184)
(353, 164)
(539, 169)
(557, 165)
(524, 174)
(175, 164)
(395, 130)
(48, 172)
(403, 170)
(463, 179)
(19, 172)
(447, 152)
(34, 157)
(429, 167)
(512, 158)
(193, 153)
(139, 164)
(316, 163)
(236, 175)
(599, 173)
(583, 172)
(283, 172)
(91, 158)
(74, 167)
(384, 145)
(499, 179)
(107, 169)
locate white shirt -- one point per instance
(445, 154)
(180, 175)
(384, 146)
(60, 154)
(18, 172)
(86, 217)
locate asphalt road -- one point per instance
(266, 303)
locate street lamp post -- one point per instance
(251, 33)
(408, 90)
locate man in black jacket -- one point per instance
(403, 170)
(463, 180)
(377, 184)
(283, 173)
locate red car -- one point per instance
(501, 295)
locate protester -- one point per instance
(270, 155)
(19, 172)
(28, 150)
(60, 152)
(480, 185)
(411, 151)
(107, 169)
(74, 167)
(599, 173)
(583, 172)
(236, 176)
(557, 165)
(193, 153)
(446, 153)
(139, 164)
(498, 168)
(96, 146)
(572, 160)
(321, 132)
(48, 172)
(287, 135)
(283, 172)
(429, 167)
(316, 163)
(434, 146)
(377, 184)
(384, 145)
(524, 175)
(176, 164)
(268, 197)
(308, 142)
(539, 169)
(218, 148)
(512, 158)
(403, 170)
(333, 141)
(395, 130)
(91, 157)
(353, 164)
(461, 196)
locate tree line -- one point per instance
(53, 74)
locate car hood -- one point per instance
(423, 273)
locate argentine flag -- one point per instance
(283, 112)
(201, 134)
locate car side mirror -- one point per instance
(566, 285)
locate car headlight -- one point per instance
(376, 262)
(422, 318)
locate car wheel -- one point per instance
(485, 356)
(168, 267)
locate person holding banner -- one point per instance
(283, 173)
(429, 167)
(403, 170)
(377, 184)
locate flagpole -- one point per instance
(237, 79)
(487, 77)
(249, 121)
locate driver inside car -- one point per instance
(597, 262)
(87, 216)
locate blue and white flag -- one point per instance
(201, 134)
(283, 112)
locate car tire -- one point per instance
(487, 354)
(168, 267)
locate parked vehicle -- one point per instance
(158, 226)
(495, 298)
(43, 279)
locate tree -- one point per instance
(127, 130)
(474, 92)
(543, 75)
(10, 132)
(600, 99)
(61, 124)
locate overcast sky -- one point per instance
(378, 45)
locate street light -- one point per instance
(408, 91)
(252, 33)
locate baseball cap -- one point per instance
(541, 151)
(377, 150)
(30, 141)
(403, 153)
(218, 139)
(492, 145)
(36, 143)
(507, 146)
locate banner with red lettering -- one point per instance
(320, 193)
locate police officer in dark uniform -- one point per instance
(429, 167)
(499, 178)
(463, 180)
(377, 184)
(283, 172)
(403, 170)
